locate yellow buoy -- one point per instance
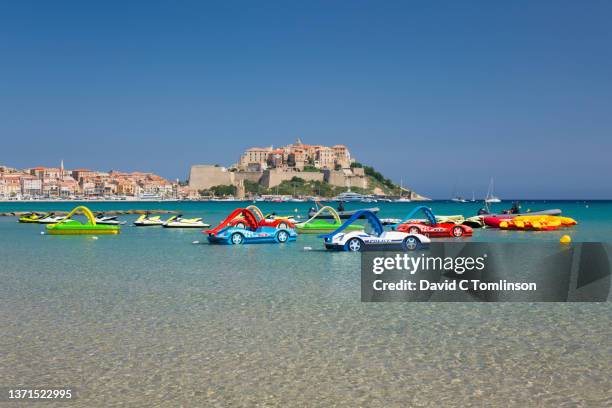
(566, 239)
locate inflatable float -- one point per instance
(68, 226)
(530, 222)
(480, 221)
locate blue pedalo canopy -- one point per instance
(370, 217)
(428, 213)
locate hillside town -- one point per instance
(296, 156)
(317, 170)
(61, 183)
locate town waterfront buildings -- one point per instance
(58, 182)
(266, 166)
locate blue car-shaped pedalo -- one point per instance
(251, 233)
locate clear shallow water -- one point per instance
(148, 319)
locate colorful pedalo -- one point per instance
(251, 230)
(68, 226)
(530, 222)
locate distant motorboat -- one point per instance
(403, 200)
(458, 198)
(150, 197)
(228, 198)
(350, 196)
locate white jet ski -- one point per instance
(178, 221)
(51, 219)
(108, 220)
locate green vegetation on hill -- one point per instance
(219, 191)
(369, 171)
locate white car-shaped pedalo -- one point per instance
(356, 241)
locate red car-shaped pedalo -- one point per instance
(262, 221)
(440, 230)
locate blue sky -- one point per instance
(445, 95)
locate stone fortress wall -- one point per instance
(203, 177)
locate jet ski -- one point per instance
(177, 221)
(107, 220)
(32, 218)
(51, 219)
(145, 220)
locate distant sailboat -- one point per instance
(491, 198)
(401, 198)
